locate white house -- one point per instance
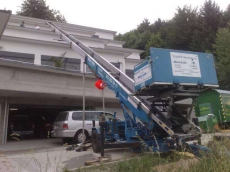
(30, 85)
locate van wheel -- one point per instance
(95, 142)
(79, 136)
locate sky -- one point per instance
(117, 15)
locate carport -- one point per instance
(32, 121)
(32, 93)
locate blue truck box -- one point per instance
(169, 67)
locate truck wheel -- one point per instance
(79, 136)
(95, 142)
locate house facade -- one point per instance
(33, 84)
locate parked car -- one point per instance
(69, 125)
(20, 127)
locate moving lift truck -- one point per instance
(162, 79)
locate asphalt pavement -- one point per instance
(47, 155)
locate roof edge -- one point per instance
(73, 26)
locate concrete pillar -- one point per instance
(4, 113)
(82, 63)
(1, 123)
(123, 66)
(37, 59)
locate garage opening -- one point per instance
(28, 122)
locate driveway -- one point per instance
(48, 155)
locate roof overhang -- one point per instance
(91, 33)
(4, 18)
(66, 25)
(134, 60)
(104, 50)
(105, 41)
(129, 50)
(28, 40)
(119, 42)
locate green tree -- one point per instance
(182, 28)
(226, 16)
(130, 38)
(222, 51)
(39, 9)
(144, 26)
(155, 41)
(190, 29)
(157, 26)
(209, 20)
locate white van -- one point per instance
(69, 126)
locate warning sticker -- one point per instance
(185, 64)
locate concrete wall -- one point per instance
(130, 64)
(37, 48)
(92, 43)
(56, 49)
(104, 35)
(16, 31)
(35, 81)
(115, 44)
(113, 57)
(134, 55)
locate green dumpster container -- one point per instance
(215, 102)
(208, 123)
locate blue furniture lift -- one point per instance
(161, 127)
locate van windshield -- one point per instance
(62, 116)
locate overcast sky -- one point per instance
(118, 15)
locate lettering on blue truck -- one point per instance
(185, 64)
(111, 81)
(142, 75)
(91, 63)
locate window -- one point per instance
(117, 65)
(90, 116)
(63, 116)
(68, 63)
(19, 57)
(77, 116)
(129, 73)
(87, 69)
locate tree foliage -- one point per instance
(191, 29)
(39, 9)
(203, 29)
(155, 41)
(209, 20)
(222, 51)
